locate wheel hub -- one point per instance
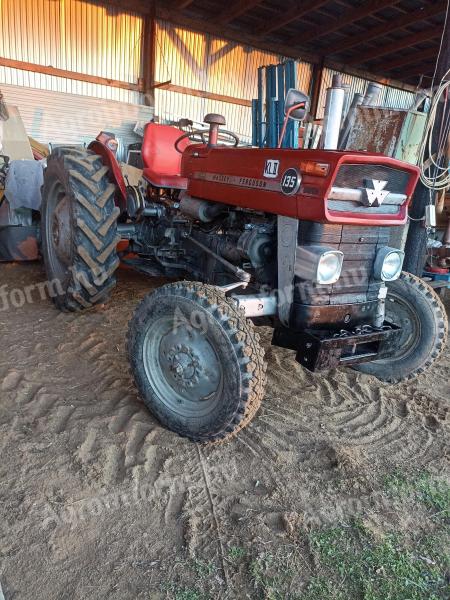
(184, 365)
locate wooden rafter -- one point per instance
(45, 70)
(406, 42)
(299, 10)
(144, 7)
(404, 20)
(236, 9)
(181, 4)
(422, 69)
(416, 56)
(348, 17)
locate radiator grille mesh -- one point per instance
(354, 176)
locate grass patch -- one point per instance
(352, 564)
(273, 574)
(424, 488)
(204, 569)
(178, 592)
(236, 554)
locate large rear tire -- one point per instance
(197, 361)
(79, 229)
(415, 306)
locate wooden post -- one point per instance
(317, 77)
(149, 57)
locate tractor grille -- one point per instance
(353, 176)
(359, 245)
(356, 176)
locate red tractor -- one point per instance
(297, 239)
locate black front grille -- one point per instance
(360, 246)
(355, 176)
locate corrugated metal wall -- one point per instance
(75, 36)
(73, 119)
(80, 36)
(203, 62)
(390, 96)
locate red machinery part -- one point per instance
(238, 177)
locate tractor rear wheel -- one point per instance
(79, 229)
(415, 306)
(197, 361)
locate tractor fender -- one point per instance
(115, 172)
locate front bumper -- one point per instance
(323, 349)
(332, 316)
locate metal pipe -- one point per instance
(372, 94)
(333, 114)
(255, 122)
(240, 273)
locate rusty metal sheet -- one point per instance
(376, 130)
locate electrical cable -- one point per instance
(435, 171)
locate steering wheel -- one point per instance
(202, 133)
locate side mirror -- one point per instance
(291, 105)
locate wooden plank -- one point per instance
(181, 4)
(202, 94)
(35, 68)
(420, 69)
(404, 20)
(417, 57)
(406, 42)
(348, 17)
(288, 16)
(317, 76)
(143, 7)
(236, 9)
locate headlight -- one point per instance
(319, 264)
(388, 264)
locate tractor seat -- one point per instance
(162, 163)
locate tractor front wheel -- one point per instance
(197, 361)
(79, 229)
(415, 306)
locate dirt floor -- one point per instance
(97, 500)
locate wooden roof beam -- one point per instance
(422, 69)
(236, 9)
(417, 57)
(348, 17)
(181, 4)
(299, 10)
(406, 42)
(143, 7)
(430, 10)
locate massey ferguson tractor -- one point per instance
(300, 240)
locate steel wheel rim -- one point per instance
(58, 224)
(404, 316)
(182, 367)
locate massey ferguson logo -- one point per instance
(374, 193)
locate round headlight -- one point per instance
(329, 267)
(392, 265)
(388, 264)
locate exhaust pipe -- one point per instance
(333, 114)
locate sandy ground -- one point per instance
(97, 500)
